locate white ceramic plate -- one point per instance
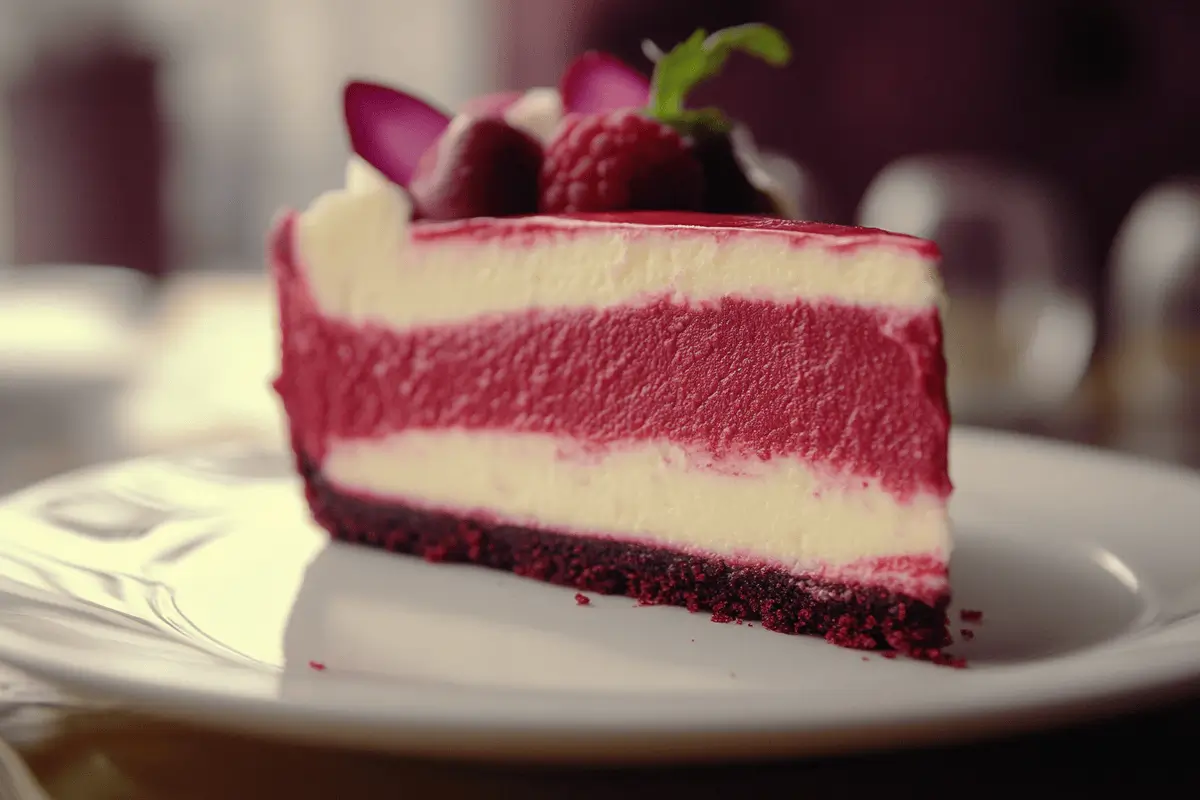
(196, 587)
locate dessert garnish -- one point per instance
(608, 139)
(597, 82)
(699, 58)
(617, 161)
(389, 129)
(481, 167)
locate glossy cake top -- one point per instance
(798, 232)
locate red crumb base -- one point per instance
(864, 618)
(582, 599)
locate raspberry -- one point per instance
(618, 161)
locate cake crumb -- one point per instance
(582, 599)
(316, 665)
(720, 616)
(865, 658)
(938, 656)
(967, 634)
(889, 654)
(971, 615)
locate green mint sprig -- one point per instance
(700, 57)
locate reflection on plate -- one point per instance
(197, 585)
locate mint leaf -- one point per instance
(755, 39)
(676, 73)
(701, 57)
(709, 119)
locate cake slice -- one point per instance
(739, 414)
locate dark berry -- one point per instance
(482, 167)
(727, 190)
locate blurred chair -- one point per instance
(1155, 323)
(1021, 320)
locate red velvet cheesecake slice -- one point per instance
(728, 412)
(733, 414)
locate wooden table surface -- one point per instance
(81, 754)
(120, 756)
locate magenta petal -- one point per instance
(598, 82)
(489, 105)
(389, 129)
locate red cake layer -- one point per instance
(862, 617)
(850, 387)
(529, 230)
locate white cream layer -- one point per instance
(362, 264)
(782, 510)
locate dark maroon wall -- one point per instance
(1103, 95)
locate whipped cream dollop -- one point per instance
(349, 236)
(538, 112)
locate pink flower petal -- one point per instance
(389, 129)
(597, 82)
(488, 105)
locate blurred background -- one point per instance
(1051, 147)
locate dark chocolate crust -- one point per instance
(862, 617)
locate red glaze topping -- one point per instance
(857, 389)
(525, 230)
